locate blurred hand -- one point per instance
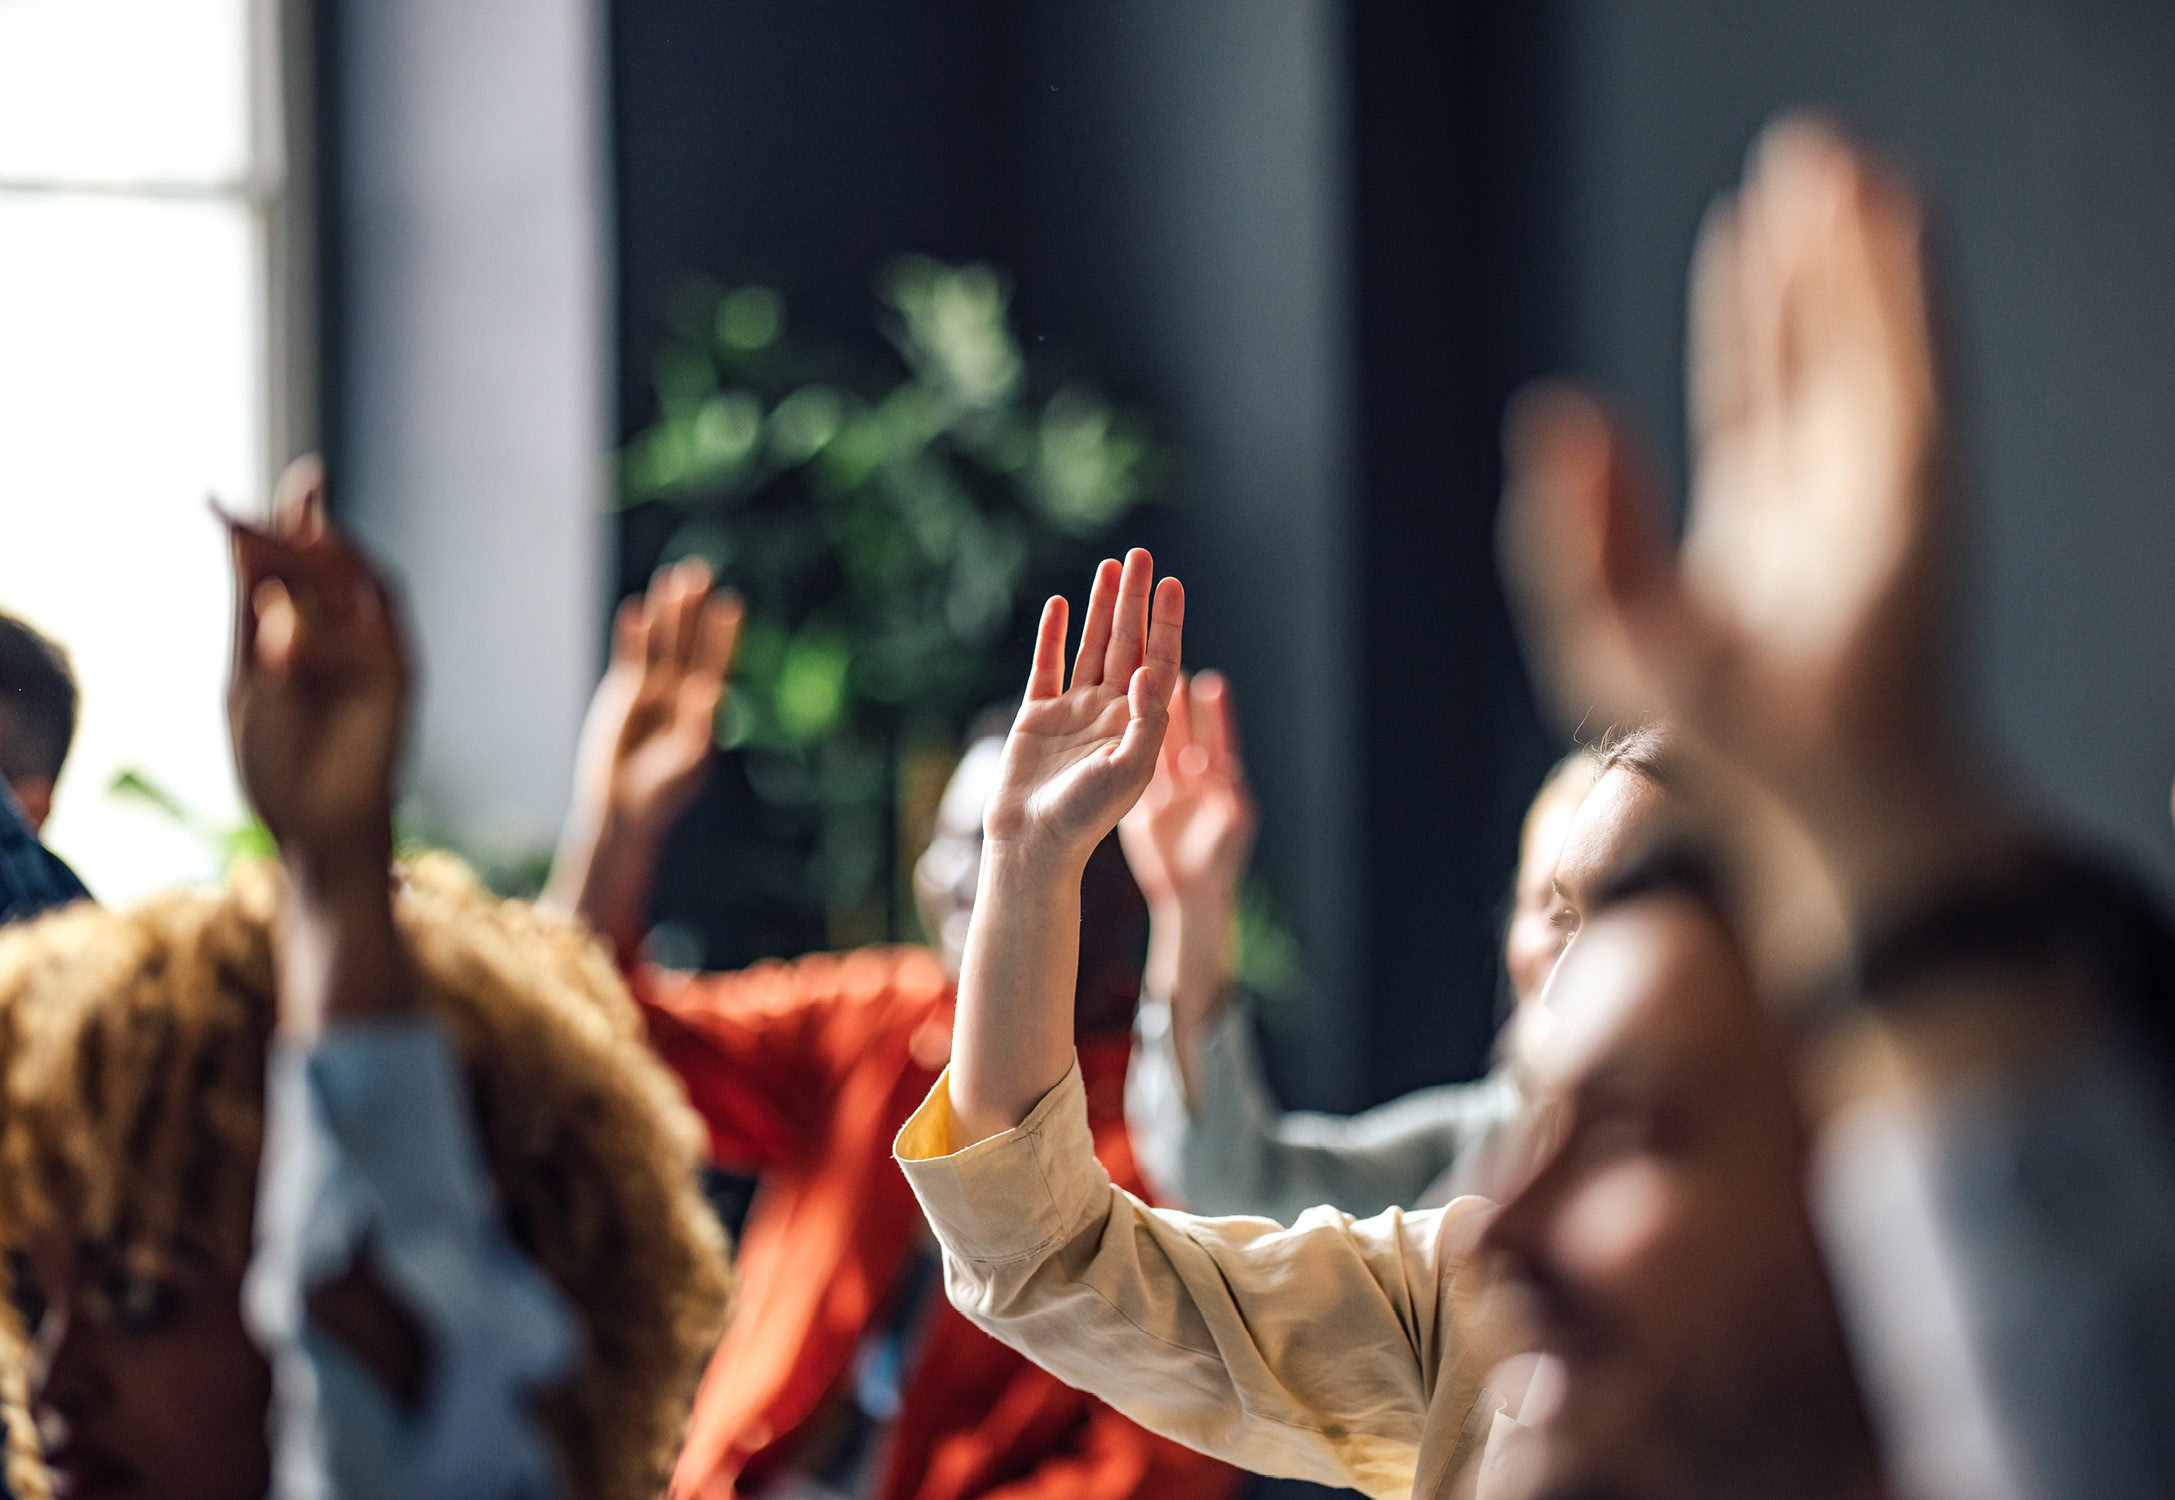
(1189, 836)
(318, 695)
(1801, 632)
(1079, 757)
(645, 746)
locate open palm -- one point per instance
(1190, 834)
(1801, 622)
(1079, 756)
(646, 744)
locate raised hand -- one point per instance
(646, 743)
(1187, 840)
(1080, 755)
(645, 747)
(318, 692)
(316, 705)
(1189, 836)
(1802, 631)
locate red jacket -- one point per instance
(804, 1073)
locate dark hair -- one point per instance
(37, 703)
(1674, 867)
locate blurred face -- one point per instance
(1112, 913)
(1534, 940)
(34, 794)
(1663, 1241)
(949, 869)
(143, 1380)
(1623, 811)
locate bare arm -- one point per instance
(1187, 841)
(316, 705)
(645, 749)
(1078, 756)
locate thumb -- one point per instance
(278, 628)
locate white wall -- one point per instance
(474, 377)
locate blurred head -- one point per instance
(1532, 939)
(1690, 1343)
(1633, 792)
(134, 1089)
(37, 716)
(1113, 916)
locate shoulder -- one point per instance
(898, 979)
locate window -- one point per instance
(138, 174)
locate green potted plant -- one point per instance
(883, 521)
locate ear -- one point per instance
(35, 793)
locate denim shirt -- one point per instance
(371, 1152)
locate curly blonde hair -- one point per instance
(133, 1046)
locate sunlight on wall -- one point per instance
(132, 386)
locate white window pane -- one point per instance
(129, 390)
(124, 90)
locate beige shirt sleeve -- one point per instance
(1345, 1351)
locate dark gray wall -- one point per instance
(1167, 184)
(1181, 223)
(2046, 129)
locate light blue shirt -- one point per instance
(2005, 1265)
(371, 1151)
(1237, 1152)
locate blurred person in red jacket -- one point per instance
(844, 1370)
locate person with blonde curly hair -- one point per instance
(386, 1162)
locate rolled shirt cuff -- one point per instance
(1015, 1195)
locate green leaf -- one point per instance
(803, 423)
(811, 690)
(132, 784)
(750, 318)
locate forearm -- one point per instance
(1012, 1042)
(603, 873)
(340, 957)
(1186, 1324)
(1189, 964)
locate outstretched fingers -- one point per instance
(1215, 727)
(1046, 678)
(1095, 626)
(1579, 553)
(719, 635)
(1178, 737)
(657, 605)
(1151, 688)
(1129, 624)
(298, 499)
(1714, 368)
(630, 634)
(691, 582)
(268, 571)
(1166, 632)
